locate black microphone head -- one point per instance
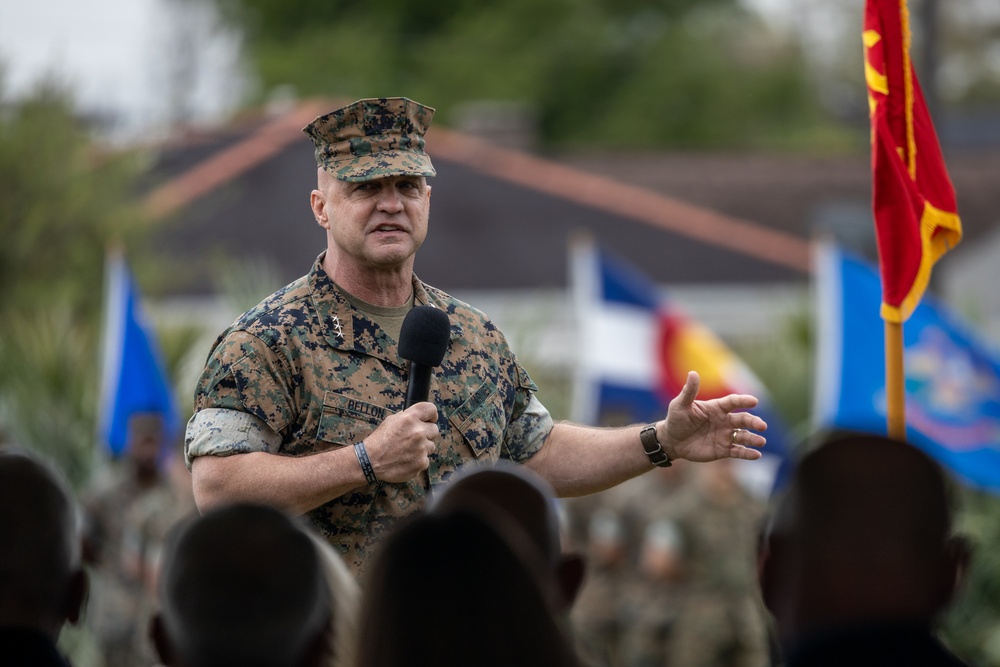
(425, 335)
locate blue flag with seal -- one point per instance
(134, 379)
(636, 349)
(952, 376)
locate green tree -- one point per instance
(644, 72)
(64, 200)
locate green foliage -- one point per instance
(47, 389)
(648, 73)
(784, 365)
(972, 625)
(63, 203)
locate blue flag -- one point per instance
(637, 348)
(134, 379)
(952, 377)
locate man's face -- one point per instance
(377, 224)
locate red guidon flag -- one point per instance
(916, 217)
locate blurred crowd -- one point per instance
(854, 560)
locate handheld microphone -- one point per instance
(423, 341)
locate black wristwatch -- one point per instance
(651, 445)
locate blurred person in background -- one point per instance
(859, 560)
(146, 526)
(117, 588)
(702, 544)
(621, 618)
(42, 581)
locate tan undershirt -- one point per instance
(389, 319)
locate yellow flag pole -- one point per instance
(895, 381)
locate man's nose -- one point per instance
(390, 200)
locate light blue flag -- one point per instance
(133, 379)
(952, 376)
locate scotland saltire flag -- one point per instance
(133, 378)
(636, 349)
(952, 377)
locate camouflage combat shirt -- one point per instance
(321, 375)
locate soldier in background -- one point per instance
(147, 524)
(622, 617)
(116, 590)
(704, 543)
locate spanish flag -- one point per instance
(916, 216)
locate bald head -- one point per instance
(41, 583)
(241, 585)
(862, 534)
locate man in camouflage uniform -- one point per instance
(301, 403)
(704, 542)
(116, 589)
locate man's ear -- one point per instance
(317, 202)
(768, 555)
(76, 596)
(958, 557)
(161, 641)
(320, 650)
(571, 573)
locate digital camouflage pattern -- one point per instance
(721, 620)
(322, 375)
(373, 138)
(116, 590)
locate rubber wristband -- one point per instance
(366, 464)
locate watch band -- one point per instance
(651, 445)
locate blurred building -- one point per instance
(726, 234)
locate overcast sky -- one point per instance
(125, 59)
(119, 57)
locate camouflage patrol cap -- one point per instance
(372, 138)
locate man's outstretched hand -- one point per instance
(709, 430)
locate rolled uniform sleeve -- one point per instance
(242, 402)
(223, 432)
(530, 423)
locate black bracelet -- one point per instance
(366, 464)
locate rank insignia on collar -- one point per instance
(338, 328)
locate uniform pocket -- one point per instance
(346, 420)
(481, 420)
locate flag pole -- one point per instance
(895, 381)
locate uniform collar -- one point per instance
(347, 328)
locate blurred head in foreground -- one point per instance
(861, 538)
(456, 588)
(242, 585)
(528, 502)
(42, 584)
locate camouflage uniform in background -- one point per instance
(308, 372)
(620, 618)
(116, 591)
(721, 621)
(650, 605)
(147, 525)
